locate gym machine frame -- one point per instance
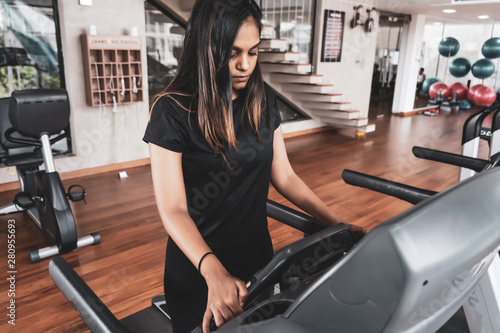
(482, 310)
(29, 118)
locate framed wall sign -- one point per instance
(333, 33)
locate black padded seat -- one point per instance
(39, 111)
(15, 153)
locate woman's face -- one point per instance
(244, 55)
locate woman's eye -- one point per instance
(253, 54)
(233, 55)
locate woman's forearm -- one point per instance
(298, 193)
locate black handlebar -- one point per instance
(475, 164)
(293, 218)
(408, 193)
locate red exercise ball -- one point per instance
(472, 90)
(460, 89)
(439, 87)
(485, 96)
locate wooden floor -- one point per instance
(126, 269)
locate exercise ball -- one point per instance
(491, 48)
(484, 96)
(483, 68)
(472, 90)
(448, 47)
(460, 89)
(460, 67)
(439, 88)
(428, 83)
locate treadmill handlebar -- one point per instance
(293, 218)
(411, 194)
(467, 162)
(473, 124)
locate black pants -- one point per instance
(185, 289)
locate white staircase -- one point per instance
(307, 91)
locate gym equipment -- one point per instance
(30, 122)
(468, 162)
(409, 274)
(428, 83)
(370, 22)
(471, 134)
(439, 88)
(471, 91)
(484, 96)
(448, 47)
(323, 247)
(483, 68)
(450, 104)
(482, 310)
(491, 48)
(356, 20)
(460, 67)
(460, 89)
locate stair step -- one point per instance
(309, 88)
(345, 122)
(265, 56)
(337, 114)
(326, 98)
(356, 132)
(271, 44)
(296, 78)
(328, 106)
(289, 67)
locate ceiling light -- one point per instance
(449, 11)
(437, 23)
(483, 17)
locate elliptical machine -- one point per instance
(30, 122)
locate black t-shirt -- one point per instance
(227, 201)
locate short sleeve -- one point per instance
(272, 102)
(166, 127)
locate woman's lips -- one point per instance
(241, 78)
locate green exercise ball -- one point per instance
(448, 47)
(491, 48)
(428, 83)
(483, 68)
(460, 67)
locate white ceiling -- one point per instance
(466, 11)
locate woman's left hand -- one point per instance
(357, 229)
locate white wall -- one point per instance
(409, 64)
(100, 137)
(351, 76)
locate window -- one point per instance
(29, 52)
(164, 45)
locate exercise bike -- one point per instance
(30, 122)
(409, 274)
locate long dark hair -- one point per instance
(203, 71)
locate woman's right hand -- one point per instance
(226, 294)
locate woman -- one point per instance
(215, 144)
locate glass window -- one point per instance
(290, 20)
(28, 46)
(164, 44)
